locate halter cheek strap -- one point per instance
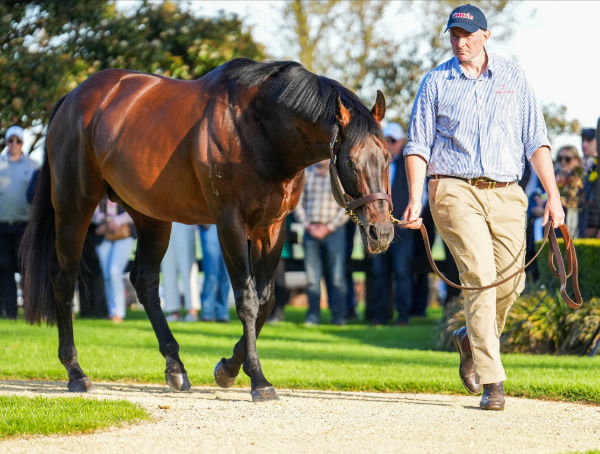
(339, 194)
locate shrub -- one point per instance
(538, 322)
(588, 258)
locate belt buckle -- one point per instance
(491, 184)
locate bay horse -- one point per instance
(229, 149)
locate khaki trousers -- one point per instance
(485, 232)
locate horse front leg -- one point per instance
(153, 240)
(254, 295)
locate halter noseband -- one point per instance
(339, 194)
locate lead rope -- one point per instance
(553, 253)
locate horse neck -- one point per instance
(308, 144)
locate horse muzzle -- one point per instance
(378, 237)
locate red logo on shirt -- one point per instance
(503, 90)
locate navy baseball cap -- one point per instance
(588, 134)
(467, 17)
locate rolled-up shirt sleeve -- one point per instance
(535, 134)
(422, 126)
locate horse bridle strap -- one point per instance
(554, 253)
(339, 194)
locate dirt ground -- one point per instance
(227, 421)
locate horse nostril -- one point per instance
(373, 232)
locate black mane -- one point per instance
(309, 96)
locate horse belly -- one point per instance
(173, 195)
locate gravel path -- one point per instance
(211, 419)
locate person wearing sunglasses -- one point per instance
(589, 218)
(16, 170)
(570, 178)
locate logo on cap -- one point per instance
(462, 16)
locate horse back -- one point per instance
(137, 133)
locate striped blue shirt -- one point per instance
(476, 127)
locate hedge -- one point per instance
(588, 259)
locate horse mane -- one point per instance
(306, 94)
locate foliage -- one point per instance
(556, 121)
(44, 416)
(358, 44)
(352, 357)
(50, 46)
(540, 322)
(588, 260)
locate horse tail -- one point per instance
(38, 250)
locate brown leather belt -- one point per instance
(479, 183)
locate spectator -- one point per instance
(324, 244)
(394, 265)
(16, 170)
(475, 121)
(90, 281)
(589, 226)
(216, 285)
(535, 213)
(570, 179)
(351, 302)
(179, 266)
(282, 294)
(116, 228)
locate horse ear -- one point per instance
(341, 113)
(378, 110)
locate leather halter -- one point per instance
(339, 194)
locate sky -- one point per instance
(555, 47)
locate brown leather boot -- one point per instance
(493, 396)
(467, 365)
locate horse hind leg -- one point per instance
(153, 240)
(71, 229)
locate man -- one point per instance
(474, 123)
(324, 244)
(16, 170)
(589, 218)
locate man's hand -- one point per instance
(411, 215)
(318, 231)
(555, 211)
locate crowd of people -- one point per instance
(398, 281)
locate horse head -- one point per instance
(359, 170)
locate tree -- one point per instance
(358, 44)
(50, 46)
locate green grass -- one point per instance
(43, 416)
(352, 357)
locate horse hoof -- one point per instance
(264, 394)
(221, 378)
(178, 382)
(81, 385)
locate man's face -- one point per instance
(15, 146)
(467, 47)
(589, 148)
(395, 146)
